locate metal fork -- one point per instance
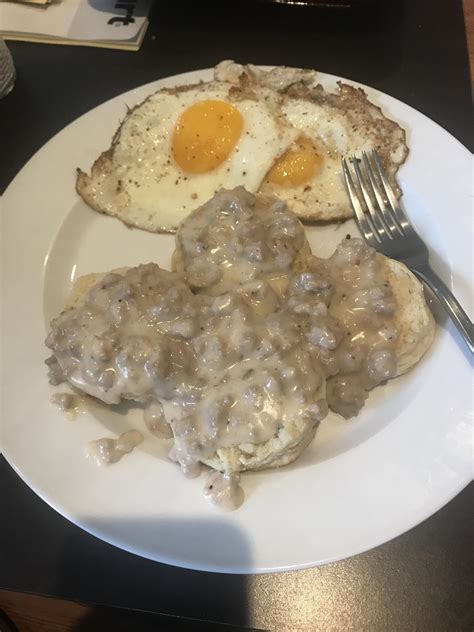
(385, 226)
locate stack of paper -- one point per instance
(103, 23)
(29, 1)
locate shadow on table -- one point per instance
(120, 620)
(185, 599)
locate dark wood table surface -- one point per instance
(55, 577)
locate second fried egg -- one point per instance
(330, 125)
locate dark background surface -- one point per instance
(415, 51)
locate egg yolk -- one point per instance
(297, 165)
(205, 135)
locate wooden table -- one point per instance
(32, 613)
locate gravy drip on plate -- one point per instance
(231, 366)
(224, 490)
(106, 451)
(67, 403)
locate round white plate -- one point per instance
(358, 485)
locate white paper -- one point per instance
(84, 20)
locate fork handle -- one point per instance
(449, 302)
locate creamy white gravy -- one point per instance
(224, 490)
(360, 353)
(156, 422)
(67, 403)
(106, 451)
(235, 238)
(252, 348)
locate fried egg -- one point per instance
(275, 132)
(331, 124)
(308, 175)
(178, 147)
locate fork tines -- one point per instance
(375, 204)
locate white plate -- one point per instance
(358, 485)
